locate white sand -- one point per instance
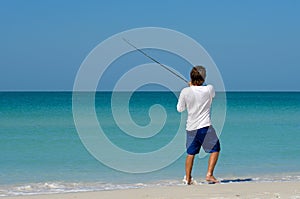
(229, 190)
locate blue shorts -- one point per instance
(205, 137)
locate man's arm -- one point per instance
(211, 91)
(181, 106)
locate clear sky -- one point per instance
(255, 44)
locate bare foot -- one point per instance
(189, 181)
(211, 179)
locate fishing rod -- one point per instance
(165, 67)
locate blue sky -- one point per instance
(255, 44)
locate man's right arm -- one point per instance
(181, 106)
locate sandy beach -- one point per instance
(227, 190)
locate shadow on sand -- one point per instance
(236, 180)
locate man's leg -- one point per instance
(188, 167)
(211, 166)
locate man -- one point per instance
(197, 99)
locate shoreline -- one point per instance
(49, 188)
(223, 190)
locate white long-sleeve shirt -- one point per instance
(197, 100)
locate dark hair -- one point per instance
(197, 79)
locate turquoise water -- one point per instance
(41, 152)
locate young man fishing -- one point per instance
(197, 99)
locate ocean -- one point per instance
(42, 152)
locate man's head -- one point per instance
(198, 75)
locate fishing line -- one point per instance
(165, 67)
